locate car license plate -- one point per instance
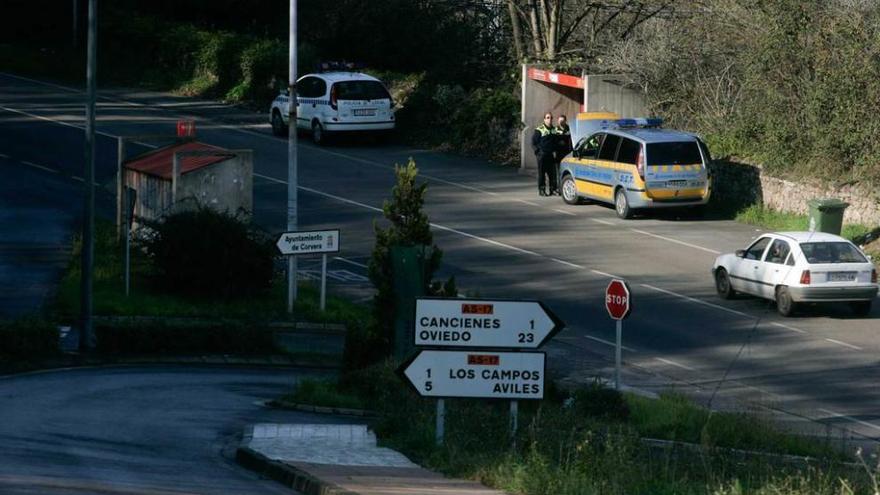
(676, 183)
(363, 112)
(841, 276)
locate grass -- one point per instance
(322, 393)
(578, 449)
(147, 300)
(780, 222)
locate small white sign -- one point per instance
(483, 323)
(477, 374)
(311, 242)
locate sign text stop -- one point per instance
(617, 299)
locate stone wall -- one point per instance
(737, 185)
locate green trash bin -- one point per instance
(826, 215)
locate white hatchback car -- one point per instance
(334, 102)
(799, 267)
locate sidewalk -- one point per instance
(341, 460)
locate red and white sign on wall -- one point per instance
(617, 299)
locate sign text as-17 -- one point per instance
(310, 242)
(483, 323)
(477, 374)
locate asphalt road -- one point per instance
(501, 241)
(137, 430)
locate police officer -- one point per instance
(544, 143)
(563, 145)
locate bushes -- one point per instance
(27, 338)
(210, 254)
(158, 337)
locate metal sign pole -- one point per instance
(617, 355)
(323, 280)
(127, 233)
(441, 422)
(291, 156)
(514, 416)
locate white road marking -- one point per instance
(676, 241)
(566, 212)
(612, 344)
(603, 222)
(609, 275)
(798, 330)
(567, 263)
(32, 164)
(838, 415)
(673, 363)
(698, 301)
(53, 120)
(844, 344)
(527, 202)
(78, 178)
(3, 156)
(273, 179)
(355, 263)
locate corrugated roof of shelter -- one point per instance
(159, 162)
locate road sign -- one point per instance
(617, 299)
(484, 323)
(479, 374)
(311, 242)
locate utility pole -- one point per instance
(86, 334)
(291, 157)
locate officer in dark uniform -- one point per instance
(544, 144)
(563, 146)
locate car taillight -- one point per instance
(333, 97)
(874, 276)
(805, 277)
(640, 163)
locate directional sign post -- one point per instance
(483, 323)
(618, 304)
(311, 242)
(476, 374)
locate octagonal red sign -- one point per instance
(617, 299)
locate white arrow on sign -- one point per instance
(311, 242)
(480, 374)
(483, 323)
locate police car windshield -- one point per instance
(674, 153)
(361, 90)
(831, 252)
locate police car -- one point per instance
(338, 101)
(634, 165)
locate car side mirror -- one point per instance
(740, 253)
(576, 153)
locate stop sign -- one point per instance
(617, 300)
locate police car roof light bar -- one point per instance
(639, 122)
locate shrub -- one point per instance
(602, 402)
(158, 337)
(210, 254)
(27, 338)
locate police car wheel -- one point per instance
(722, 284)
(621, 205)
(278, 127)
(318, 134)
(569, 191)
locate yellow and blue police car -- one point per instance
(635, 165)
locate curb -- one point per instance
(284, 473)
(339, 411)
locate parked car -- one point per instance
(331, 102)
(634, 165)
(793, 268)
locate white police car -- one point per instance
(331, 102)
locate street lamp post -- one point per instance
(291, 157)
(86, 336)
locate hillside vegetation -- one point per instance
(787, 84)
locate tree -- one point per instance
(576, 28)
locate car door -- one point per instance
(745, 272)
(305, 95)
(774, 270)
(584, 166)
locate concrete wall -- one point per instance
(225, 186)
(537, 98)
(609, 93)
